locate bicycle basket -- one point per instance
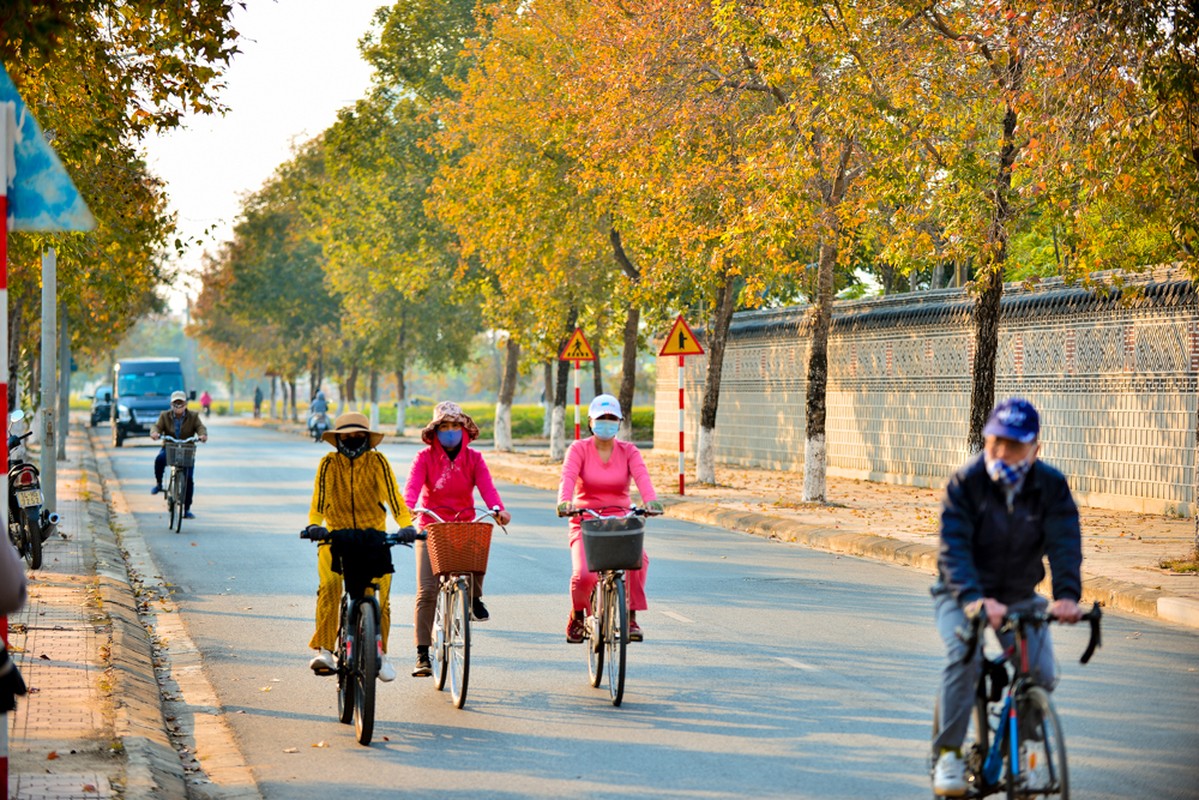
(181, 455)
(458, 546)
(613, 543)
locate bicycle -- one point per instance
(181, 457)
(1017, 745)
(457, 550)
(612, 544)
(357, 556)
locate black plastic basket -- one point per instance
(181, 454)
(613, 543)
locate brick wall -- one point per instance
(1114, 379)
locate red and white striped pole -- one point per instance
(682, 468)
(578, 428)
(6, 111)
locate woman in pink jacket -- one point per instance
(443, 479)
(596, 476)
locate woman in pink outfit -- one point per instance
(443, 479)
(596, 476)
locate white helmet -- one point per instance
(604, 404)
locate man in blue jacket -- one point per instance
(1003, 512)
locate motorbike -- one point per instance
(318, 423)
(29, 523)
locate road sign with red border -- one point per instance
(577, 348)
(681, 341)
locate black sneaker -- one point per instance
(479, 611)
(424, 667)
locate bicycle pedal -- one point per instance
(323, 672)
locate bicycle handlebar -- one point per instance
(972, 633)
(482, 515)
(635, 511)
(404, 536)
(188, 440)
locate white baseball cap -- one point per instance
(178, 396)
(604, 404)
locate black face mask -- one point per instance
(353, 446)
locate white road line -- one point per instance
(791, 662)
(678, 617)
(528, 558)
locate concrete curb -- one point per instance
(153, 768)
(1121, 595)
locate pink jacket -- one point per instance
(448, 487)
(588, 482)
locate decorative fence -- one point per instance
(1113, 376)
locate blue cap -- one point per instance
(1014, 418)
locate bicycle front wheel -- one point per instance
(438, 653)
(595, 635)
(171, 508)
(180, 482)
(366, 669)
(345, 667)
(617, 638)
(1042, 754)
(458, 643)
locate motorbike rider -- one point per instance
(318, 408)
(206, 402)
(352, 485)
(181, 423)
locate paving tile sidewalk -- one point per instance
(91, 726)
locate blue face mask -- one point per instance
(605, 428)
(451, 438)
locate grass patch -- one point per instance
(1188, 565)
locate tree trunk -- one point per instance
(705, 459)
(374, 389)
(503, 408)
(558, 425)
(295, 413)
(628, 373)
(274, 390)
(401, 403)
(597, 370)
(232, 391)
(547, 400)
(815, 445)
(15, 320)
(352, 389)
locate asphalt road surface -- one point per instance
(767, 670)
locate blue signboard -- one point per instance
(41, 196)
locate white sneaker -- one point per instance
(949, 777)
(323, 662)
(387, 673)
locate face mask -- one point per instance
(1007, 475)
(353, 446)
(605, 428)
(451, 438)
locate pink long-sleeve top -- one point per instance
(589, 482)
(448, 487)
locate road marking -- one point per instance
(528, 558)
(678, 617)
(791, 662)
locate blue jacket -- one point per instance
(988, 551)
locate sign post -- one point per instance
(37, 195)
(681, 342)
(577, 349)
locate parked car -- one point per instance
(101, 405)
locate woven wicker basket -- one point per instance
(181, 455)
(458, 546)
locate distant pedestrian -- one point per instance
(257, 402)
(206, 403)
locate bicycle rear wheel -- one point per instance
(617, 638)
(595, 635)
(366, 669)
(1042, 756)
(458, 642)
(438, 653)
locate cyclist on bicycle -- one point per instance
(181, 423)
(596, 475)
(355, 486)
(443, 478)
(1002, 513)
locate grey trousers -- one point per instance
(426, 595)
(958, 680)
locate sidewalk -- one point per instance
(1121, 550)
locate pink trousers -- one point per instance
(583, 580)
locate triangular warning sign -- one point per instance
(577, 348)
(681, 341)
(41, 195)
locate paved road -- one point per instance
(768, 670)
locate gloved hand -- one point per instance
(654, 508)
(315, 532)
(564, 509)
(11, 683)
(408, 534)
